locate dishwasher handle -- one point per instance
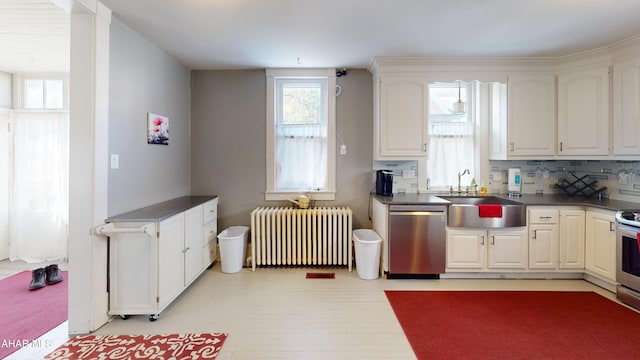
(415, 213)
(413, 208)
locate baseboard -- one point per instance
(606, 284)
(514, 276)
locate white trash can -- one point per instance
(367, 243)
(233, 248)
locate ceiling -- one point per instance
(222, 34)
(233, 34)
(34, 36)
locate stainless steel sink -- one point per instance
(463, 212)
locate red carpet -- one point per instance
(174, 346)
(26, 315)
(516, 325)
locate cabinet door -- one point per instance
(193, 247)
(626, 108)
(572, 240)
(404, 115)
(583, 112)
(508, 249)
(380, 224)
(466, 249)
(170, 259)
(543, 244)
(601, 244)
(531, 103)
(133, 272)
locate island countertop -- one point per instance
(161, 211)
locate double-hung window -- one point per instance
(300, 133)
(452, 146)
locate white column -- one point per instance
(88, 171)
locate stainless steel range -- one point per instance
(628, 257)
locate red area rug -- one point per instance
(26, 315)
(516, 325)
(174, 346)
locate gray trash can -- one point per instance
(367, 243)
(233, 248)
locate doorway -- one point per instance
(36, 51)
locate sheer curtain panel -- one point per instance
(39, 198)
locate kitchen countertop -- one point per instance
(527, 199)
(161, 211)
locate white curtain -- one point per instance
(40, 195)
(450, 148)
(301, 156)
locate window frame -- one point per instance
(272, 75)
(472, 118)
(19, 88)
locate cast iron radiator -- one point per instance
(291, 236)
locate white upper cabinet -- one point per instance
(626, 107)
(401, 117)
(583, 112)
(531, 104)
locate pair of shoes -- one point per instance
(46, 275)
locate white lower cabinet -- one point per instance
(543, 238)
(171, 258)
(147, 272)
(471, 250)
(210, 232)
(380, 224)
(572, 239)
(193, 249)
(601, 243)
(556, 238)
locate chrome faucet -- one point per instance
(460, 174)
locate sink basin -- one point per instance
(474, 200)
(463, 212)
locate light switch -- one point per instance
(343, 149)
(115, 161)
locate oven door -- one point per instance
(628, 256)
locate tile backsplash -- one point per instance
(538, 176)
(405, 175)
(542, 176)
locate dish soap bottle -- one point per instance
(483, 189)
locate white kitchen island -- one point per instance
(156, 252)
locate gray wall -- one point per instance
(145, 79)
(228, 142)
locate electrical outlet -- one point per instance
(343, 149)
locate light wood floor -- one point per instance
(275, 313)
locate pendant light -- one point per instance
(459, 107)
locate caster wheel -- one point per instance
(124, 317)
(153, 317)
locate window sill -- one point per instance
(292, 195)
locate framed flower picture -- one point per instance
(157, 129)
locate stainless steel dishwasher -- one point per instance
(417, 241)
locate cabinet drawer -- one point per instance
(210, 253)
(543, 216)
(210, 232)
(210, 211)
